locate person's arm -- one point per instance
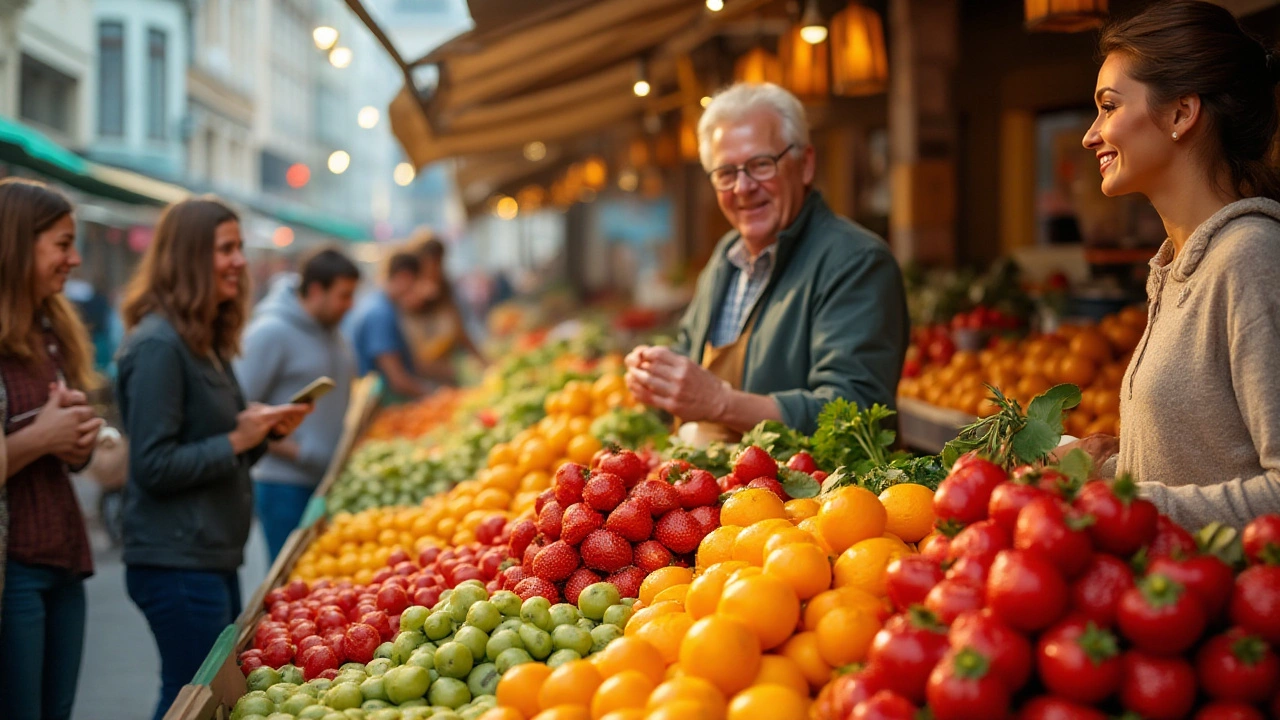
(858, 340)
(1254, 351)
(398, 377)
(61, 429)
(261, 359)
(159, 461)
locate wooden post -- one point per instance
(1017, 179)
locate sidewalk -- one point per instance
(120, 674)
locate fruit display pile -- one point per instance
(1062, 599)
(1093, 358)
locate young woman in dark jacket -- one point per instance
(45, 364)
(192, 438)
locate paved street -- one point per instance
(120, 676)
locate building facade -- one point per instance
(47, 61)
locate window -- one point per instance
(111, 79)
(157, 74)
(46, 95)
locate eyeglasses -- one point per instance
(758, 168)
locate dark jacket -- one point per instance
(832, 320)
(189, 501)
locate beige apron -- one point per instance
(728, 363)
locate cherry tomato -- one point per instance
(1237, 666)
(1123, 522)
(1228, 711)
(905, 651)
(1047, 707)
(1157, 688)
(909, 579)
(1171, 540)
(1008, 650)
(1160, 616)
(963, 496)
(1262, 540)
(1096, 593)
(1079, 661)
(981, 541)
(884, 705)
(1205, 575)
(962, 687)
(1008, 499)
(1255, 602)
(1026, 591)
(953, 596)
(1057, 532)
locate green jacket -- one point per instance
(832, 320)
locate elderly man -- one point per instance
(797, 306)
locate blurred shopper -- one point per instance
(376, 331)
(435, 329)
(1186, 116)
(292, 340)
(193, 437)
(46, 364)
(797, 305)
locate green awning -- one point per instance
(320, 222)
(35, 146)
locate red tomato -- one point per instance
(969, 569)
(962, 498)
(981, 541)
(1229, 711)
(839, 697)
(360, 642)
(1123, 522)
(1205, 575)
(1096, 593)
(1048, 707)
(1157, 688)
(909, 579)
(1255, 602)
(905, 651)
(1171, 540)
(884, 705)
(952, 597)
(803, 462)
(1160, 616)
(1236, 666)
(1008, 499)
(1262, 540)
(1026, 591)
(1078, 661)
(1008, 650)
(1056, 531)
(962, 687)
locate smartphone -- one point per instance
(313, 392)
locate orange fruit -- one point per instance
(681, 710)
(749, 545)
(519, 687)
(627, 689)
(648, 614)
(675, 592)
(630, 653)
(845, 634)
(564, 712)
(1092, 345)
(625, 714)
(582, 448)
(704, 594)
(502, 454)
(801, 508)
(802, 649)
(782, 670)
(1077, 370)
(717, 546)
(827, 601)
(862, 565)
(501, 713)
(769, 702)
(849, 515)
(722, 650)
(661, 579)
(803, 566)
(750, 506)
(811, 526)
(665, 633)
(763, 603)
(689, 688)
(789, 536)
(573, 683)
(909, 510)
(535, 481)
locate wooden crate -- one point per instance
(926, 427)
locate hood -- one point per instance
(1182, 267)
(282, 301)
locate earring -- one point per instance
(1175, 135)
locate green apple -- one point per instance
(596, 598)
(262, 678)
(344, 695)
(407, 682)
(510, 658)
(499, 641)
(483, 679)
(374, 688)
(564, 614)
(513, 624)
(450, 692)
(413, 617)
(571, 637)
(258, 704)
(281, 691)
(469, 593)
(292, 674)
(474, 638)
(586, 624)
(618, 615)
(454, 660)
(438, 625)
(507, 602)
(484, 615)
(404, 645)
(423, 657)
(561, 657)
(385, 650)
(537, 610)
(378, 666)
(603, 635)
(296, 704)
(536, 640)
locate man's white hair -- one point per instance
(736, 102)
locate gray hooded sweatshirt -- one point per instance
(285, 349)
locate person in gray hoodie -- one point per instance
(292, 340)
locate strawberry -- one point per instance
(803, 462)
(696, 487)
(651, 555)
(568, 483)
(545, 497)
(577, 582)
(771, 485)
(556, 561)
(604, 491)
(606, 550)
(729, 483)
(679, 532)
(626, 465)
(627, 580)
(531, 552)
(549, 519)
(579, 520)
(631, 520)
(753, 463)
(661, 497)
(522, 533)
(708, 517)
(512, 577)
(672, 469)
(531, 586)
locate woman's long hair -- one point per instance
(176, 279)
(28, 208)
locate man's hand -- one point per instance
(1099, 447)
(663, 379)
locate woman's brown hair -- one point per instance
(1189, 47)
(28, 208)
(175, 279)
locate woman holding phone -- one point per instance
(1187, 115)
(192, 437)
(46, 363)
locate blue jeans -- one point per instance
(280, 507)
(187, 610)
(41, 642)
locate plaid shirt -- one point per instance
(744, 290)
